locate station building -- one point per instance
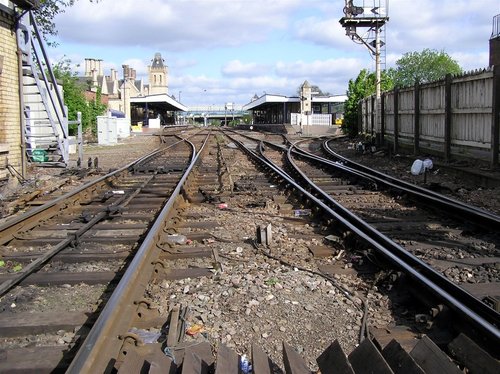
(308, 112)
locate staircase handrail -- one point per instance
(62, 117)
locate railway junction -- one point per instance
(213, 250)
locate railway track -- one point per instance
(236, 263)
(349, 190)
(72, 251)
(443, 232)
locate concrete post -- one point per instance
(447, 118)
(495, 117)
(416, 117)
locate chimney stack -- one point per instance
(100, 69)
(94, 78)
(126, 71)
(87, 68)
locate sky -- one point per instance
(227, 51)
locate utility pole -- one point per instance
(377, 61)
(124, 92)
(372, 19)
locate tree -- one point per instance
(46, 13)
(426, 66)
(74, 97)
(315, 89)
(247, 119)
(363, 86)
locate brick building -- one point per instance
(11, 155)
(116, 93)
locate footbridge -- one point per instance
(209, 114)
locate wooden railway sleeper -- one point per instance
(33, 266)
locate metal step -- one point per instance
(46, 122)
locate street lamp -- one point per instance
(180, 96)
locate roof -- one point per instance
(162, 101)
(138, 84)
(157, 62)
(110, 86)
(264, 99)
(116, 113)
(268, 99)
(306, 84)
(329, 99)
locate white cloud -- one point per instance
(129, 32)
(236, 68)
(451, 26)
(327, 32)
(471, 61)
(318, 68)
(178, 25)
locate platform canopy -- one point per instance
(161, 102)
(275, 99)
(268, 99)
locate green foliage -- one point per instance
(426, 66)
(363, 86)
(74, 97)
(314, 88)
(96, 108)
(247, 118)
(271, 282)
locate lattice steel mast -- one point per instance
(371, 17)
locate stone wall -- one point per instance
(10, 121)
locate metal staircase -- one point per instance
(45, 116)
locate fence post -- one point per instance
(495, 116)
(80, 138)
(447, 118)
(367, 113)
(382, 119)
(373, 116)
(360, 117)
(396, 120)
(416, 117)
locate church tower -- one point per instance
(158, 76)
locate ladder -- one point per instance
(45, 121)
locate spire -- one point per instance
(157, 62)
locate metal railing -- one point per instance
(35, 58)
(496, 27)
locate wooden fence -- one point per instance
(456, 117)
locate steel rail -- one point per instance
(16, 223)
(89, 357)
(483, 216)
(476, 216)
(479, 315)
(456, 297)
(71, 239)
